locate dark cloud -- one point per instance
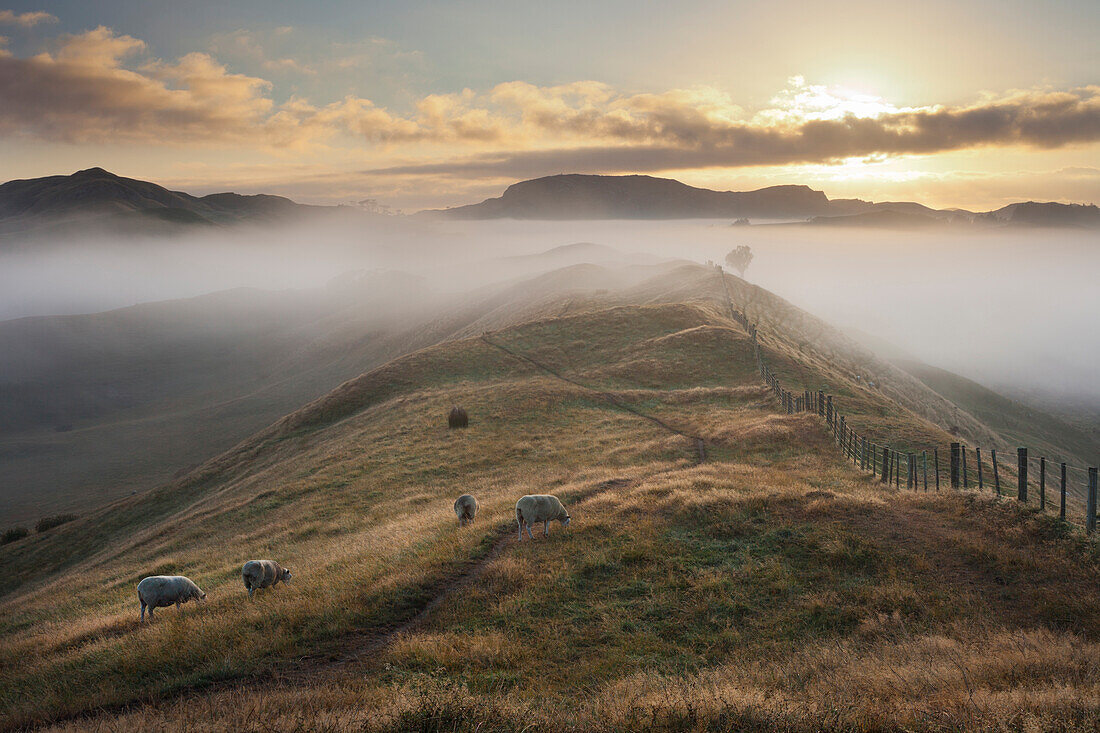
(1038, 120)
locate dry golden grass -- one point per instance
(771, 588)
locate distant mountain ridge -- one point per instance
(98, 199)
(98, 195)
(580, 196)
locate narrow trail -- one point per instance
(358, 648)
(698, 443)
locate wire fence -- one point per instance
(957, 467)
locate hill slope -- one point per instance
(761, 585)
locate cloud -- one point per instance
(83, 93)
(670, 131)
(101, 86)
(26, 20)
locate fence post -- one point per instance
(936, 455)
(966, 474)
(829, 410)
(913, 471)
(996, 472)
(1042, 482)
(978, 458)
(1062, 510)
(1021, 473)
(1090, 508)
(954, 465)
(821, 403)
(885, 465)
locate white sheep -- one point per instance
(466, 507)
(263, 574)
(540, 508)
(160, 591)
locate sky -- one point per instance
(968, 103)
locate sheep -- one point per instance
(466, 507)
(160, 591)
(540, 508)
(263, 574)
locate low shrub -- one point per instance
(13, 534)
(47, 523)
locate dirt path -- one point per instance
(359, 647)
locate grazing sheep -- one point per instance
(457, 418)
(263, 574)
(160, 591)
(540, 508)
(466, 508)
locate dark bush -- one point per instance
(13, 534)
(46, 523)
(457, 418)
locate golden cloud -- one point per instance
(9, 17)
(97, 86)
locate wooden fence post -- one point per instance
(978, 458)
(1090, 507)
(936, 455)
(966, 474)
(885, 465)
(821, 403)
(1062, 510)
(1042, 482)
(1021, 473)
(954, 465)
(996, 472)
(913, 471)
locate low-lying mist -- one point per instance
(1010, 309)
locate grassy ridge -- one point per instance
(770, 588)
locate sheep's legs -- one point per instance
(143, 612)
(546, 528)
(250, 589)
(529, 531)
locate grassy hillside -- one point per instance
(1020, 424)
(95, 407)
(769, 586)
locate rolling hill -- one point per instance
(95, 407)
(103, 199)
(576, 196)
(761, 583)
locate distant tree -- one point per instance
(740, 258)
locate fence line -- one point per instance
(887, 467)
